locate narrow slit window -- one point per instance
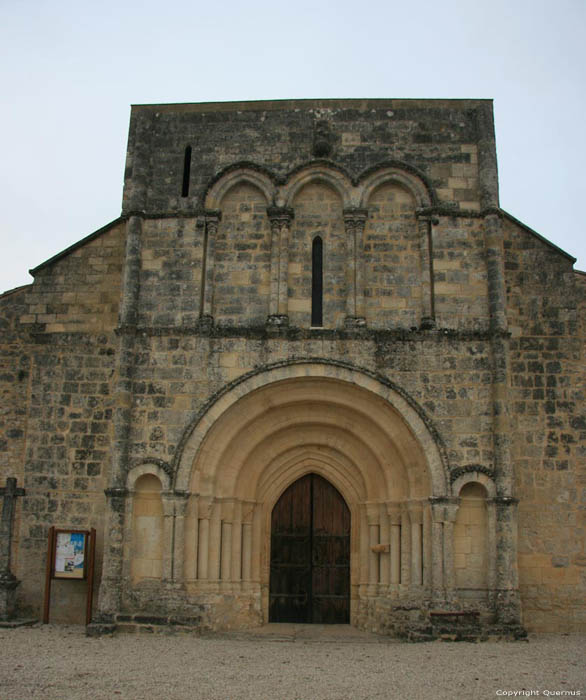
(317, 282)
(186, 172)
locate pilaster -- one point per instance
(280, 219)
(354, 223)
(212, 222)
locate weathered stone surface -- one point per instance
(161, 380)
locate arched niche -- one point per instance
(471, 540)
(396, 175)
(316, 173)
(235, 176)
(392, 257)
(146, 556)
(241, 275)
(318, 226)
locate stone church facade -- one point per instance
(313, 373)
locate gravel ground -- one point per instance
(61, 663)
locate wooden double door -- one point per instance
(310, 554)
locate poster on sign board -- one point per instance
(70, 554)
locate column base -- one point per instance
(278, 321)
(352, 323)
(8, 584)
(508, 607)
(205, 322)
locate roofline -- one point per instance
(77, 245)
(317, 102)
(8, 292)
(537, 235)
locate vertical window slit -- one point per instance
(317, 282)
(186, 172)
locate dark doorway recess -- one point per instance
(310, 554)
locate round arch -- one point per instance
(265, 431)
(336, 179)
(238, 408)
(394, 174)
(229, 179)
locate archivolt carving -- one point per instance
(415, 426)
(316, 172)
(476, 475)
(161, 469)
(353, 191)
(393, 174)
(254, 175)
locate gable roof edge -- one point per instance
(77, 245)
(511, 218)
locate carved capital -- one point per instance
(116, 492)
(355, 219)
(280, 216)
(444, 509)
(278, 321)
(212, 220)
(506, 501)
(354, 323)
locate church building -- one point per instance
(313, 373)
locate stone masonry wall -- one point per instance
(61, 365)
(79, 292)
(448, 375)
(14, 393)
(60, 349)
(549, 431)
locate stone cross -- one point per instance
(8, 582)
(10, 494)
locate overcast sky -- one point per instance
(70, 71)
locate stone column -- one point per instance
(215, 540)
(354, 223)
(451, 512)
(405, 546)
(226, 553)
(274, 274)
(178, 568)
(385, 538)
(415, 514)
(212, 221)
(237, 543)
(491, 543)
(168, 535)
(372, 514)
(426, 545)
(443, 515)
(247, 512)
(256, 542)
(364, 552)
(425, 224)
(508, 605)
(111, 585)
(204, 539)
(247, 551)
(280, 218)
(394, 513)
(499, 351)
(8, 581)
(192, 538)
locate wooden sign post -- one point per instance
(70, 555)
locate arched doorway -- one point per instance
(310, 554)
(363, 438)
